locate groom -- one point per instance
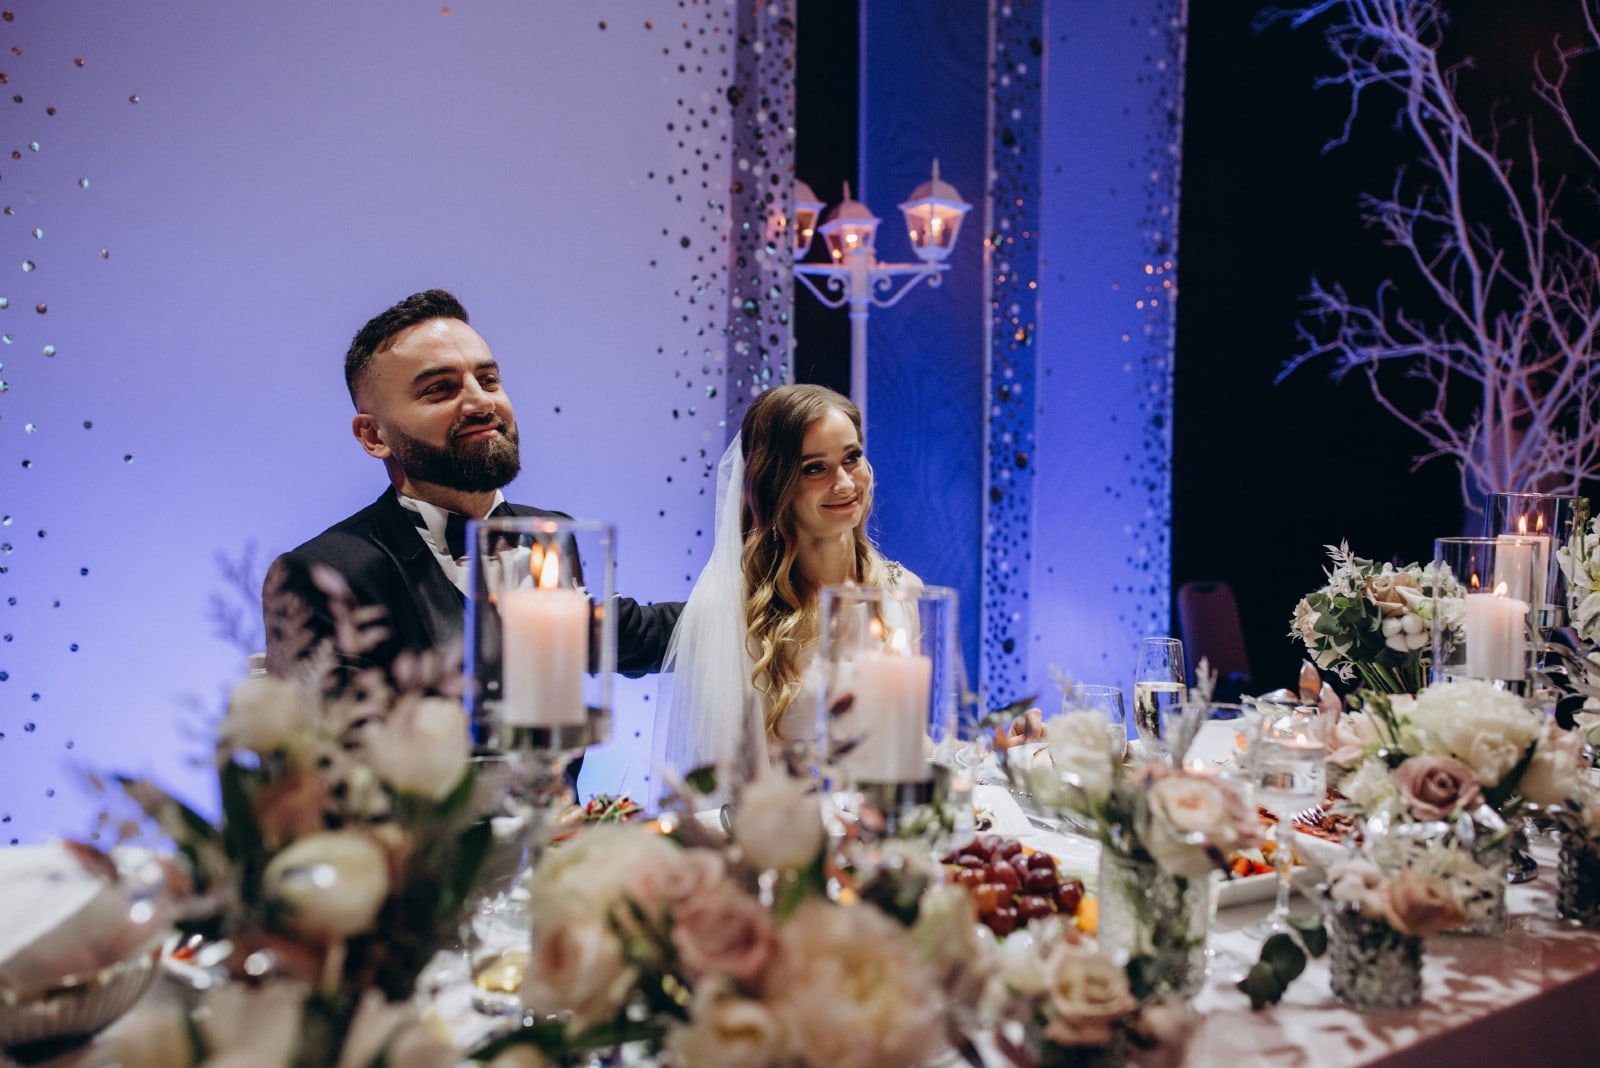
(431, 406)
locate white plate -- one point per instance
(1253, 888)
(1004, 815)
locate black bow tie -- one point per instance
(455, 529)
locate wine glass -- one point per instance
(1106, 700)
(1158, 682)
(1288, 774)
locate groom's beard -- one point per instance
(478, 466)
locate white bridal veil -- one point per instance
(708, 695)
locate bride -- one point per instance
(793, 495)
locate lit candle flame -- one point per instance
(898, 640)
(1473, 583)
(1500, 590)
(545, 566)
(1522, 524)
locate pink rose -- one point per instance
(1435, 787)
(725, 933)
(1415, 904)
(678, 881)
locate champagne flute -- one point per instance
(1158, 682)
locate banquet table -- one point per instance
(1521, 999)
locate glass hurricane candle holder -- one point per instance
(1483, 622)
(889, 662)
(1542, 519)
(541, 647)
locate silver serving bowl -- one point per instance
(78, 1005)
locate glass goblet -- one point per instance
(1106, 700)
(1288, 774)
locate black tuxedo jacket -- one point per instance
(381, 554)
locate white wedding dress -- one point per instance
(707, 703)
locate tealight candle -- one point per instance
(1496, 635)
(891, 702)
(545, 649)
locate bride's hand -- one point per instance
(1028, 727)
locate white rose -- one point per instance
(1019, 974)
(590, 871)
(389, 1033)
(260, 1022)
(1586, 614)
(1588, 722)
(1191, 819)
(1552, 775)
(778, 823)
(155, 1034)
(422, 748)
(333, 883)
(1080, 745)
(726, 1031)
(1088, 993)
(1372, 788)
(946, 931)
(265, 712)
(1357, 881)
(575, 966)
(1486, 728)
(850, 991)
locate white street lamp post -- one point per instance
(855, 278)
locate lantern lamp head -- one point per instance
(806, 210)
(849, 227)
(933, 218)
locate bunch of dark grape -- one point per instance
(1011, 886)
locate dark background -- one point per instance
(1264, 474)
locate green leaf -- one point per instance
(794, 887)
(1261, 985)
(241, 837)
(1282, 961)
(460, 795)
(1313, 936)
(1284, 955)
(472, 849)
(702, 780)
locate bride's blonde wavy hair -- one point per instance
(781, 606)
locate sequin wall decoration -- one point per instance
(54, 241)
(1108, 287)
(1016, 82)
(194, 229)
(760, 332)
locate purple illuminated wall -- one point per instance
(1026, 454)
(204, 201)
(222, 194)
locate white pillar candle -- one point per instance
(891, 709)
(1496, 634)
(1522, 562)
(544, 649)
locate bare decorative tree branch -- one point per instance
(1497, 315)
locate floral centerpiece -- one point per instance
(1074, 1005)
(723, 954)
(1375, 621)
(1373, 919)
(1454, 764)
(1162, 830)
(350, 836)
(1578, 877)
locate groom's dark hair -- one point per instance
(381, 329)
